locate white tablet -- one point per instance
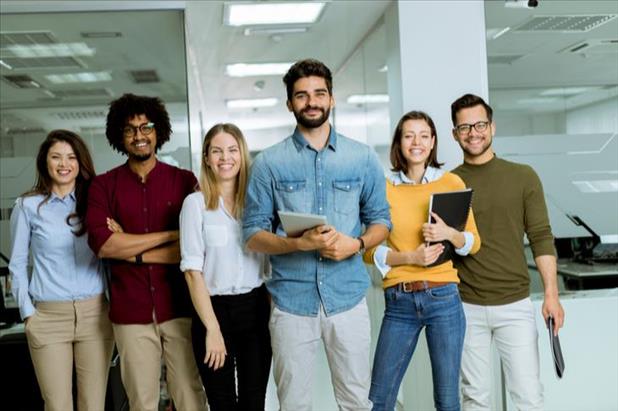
(294, 224)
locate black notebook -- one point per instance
(453, 207)
(556, 350)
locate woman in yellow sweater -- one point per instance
(416, 295)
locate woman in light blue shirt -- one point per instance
(62, 302)
(231, 341)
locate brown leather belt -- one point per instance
(413, 286)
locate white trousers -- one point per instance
(512, 328)
(295, 340)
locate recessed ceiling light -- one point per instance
(252, 103)
(50, 50)
(564, 91)
(85, 77)
(537, 100)
(5, 65)
(259, 69)
(367, 98)
(267, 31)
(383, 69)
(242, 14)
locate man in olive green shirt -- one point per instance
(508, 202)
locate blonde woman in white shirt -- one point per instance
(231, 341)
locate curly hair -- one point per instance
(307, 68)
(128, 106)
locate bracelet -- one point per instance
(361, 250)
(138, 259)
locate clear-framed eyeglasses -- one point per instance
(131, 131)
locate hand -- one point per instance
(317, 238)
(437, 231)
(215, 349)
(552, 307)
(423, 255)
(113, 226)
(343, 247)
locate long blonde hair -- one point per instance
(208, 181)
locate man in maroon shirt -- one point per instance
(132, 221)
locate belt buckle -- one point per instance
(414, 286)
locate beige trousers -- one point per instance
(141, 347)
(60, 333)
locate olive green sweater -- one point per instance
(508, 202)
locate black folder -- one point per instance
(556, 351)
(453, 207)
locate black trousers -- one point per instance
(243, 320)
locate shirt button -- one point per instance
(347, 187)
(320, 282)
(145, 209)
(290, 188)
(318, 159)
(320, 259)
(320, 209)
(320, 183)
(152, 289)
(146, 229)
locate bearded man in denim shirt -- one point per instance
(318, 280)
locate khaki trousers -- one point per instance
(141, 347)
(60, 333)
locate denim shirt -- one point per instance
(345, 182)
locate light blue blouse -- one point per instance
(63, 266)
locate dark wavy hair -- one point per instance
(307, 68)
(43, 184)
(397, 159)
(128, 106)
(467, 101)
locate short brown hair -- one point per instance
(398, 161)
(467, 101)
(307, 68)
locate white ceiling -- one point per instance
(152, 40)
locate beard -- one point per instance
(476, 154)
(311, 122)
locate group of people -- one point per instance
(109, 253)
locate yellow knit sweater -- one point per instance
(409, 204)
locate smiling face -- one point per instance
(475, 144)
(311, 102)
(139, 146)
(416, 142)
(224, 157)
(62, 166)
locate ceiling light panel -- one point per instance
(258, 69)
(253, 14)
(367, 98)
(48, 50)
(84, 77)
(252, 103)
(565, 23)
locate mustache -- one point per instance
(312, 108)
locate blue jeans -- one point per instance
(438, 309)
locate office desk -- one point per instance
(578, 276)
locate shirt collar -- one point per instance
(301, 142)
(55, 197)
(399, 177)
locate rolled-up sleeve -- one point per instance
(18, 266)
(259, 202)
(96, 216)
(374, 208)
(191, 239)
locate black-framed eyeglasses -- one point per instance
(131, 131)
(464, 129)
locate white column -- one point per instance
(436, 53)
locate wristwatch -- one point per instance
(361, 250)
